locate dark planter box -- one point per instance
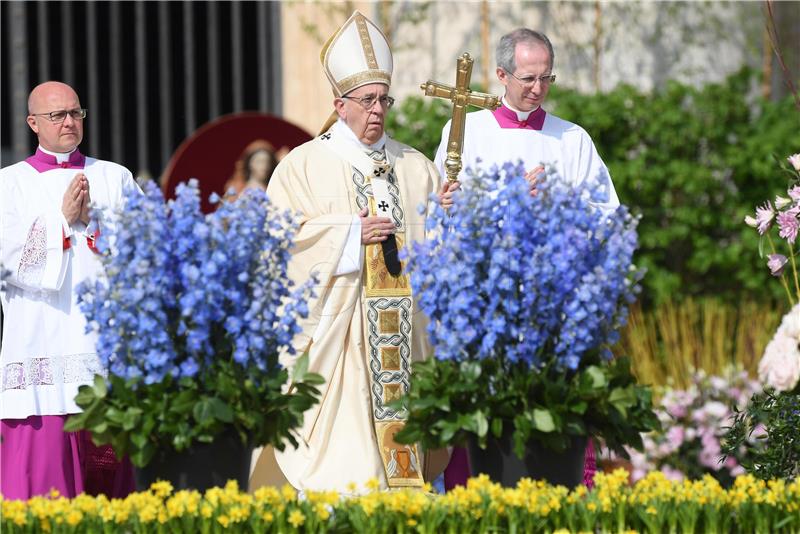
(499, 462)
(201, 467)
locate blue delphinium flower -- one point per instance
(530, 279)
(181, 287)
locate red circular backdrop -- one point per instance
(211, 152)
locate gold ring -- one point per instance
(376, 233)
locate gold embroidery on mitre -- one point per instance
(345, 85)
(390, 359)
(366, 42)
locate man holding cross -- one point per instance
(521, 129)
(357, 193)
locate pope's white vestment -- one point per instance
(364, 328)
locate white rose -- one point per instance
(718, 383)
(790, 324)
(716, 409)
(780, 365)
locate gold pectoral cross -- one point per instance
(461, 96)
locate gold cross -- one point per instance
(461, 96)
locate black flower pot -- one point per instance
(499, 462)
(203, 466)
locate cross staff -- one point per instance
(461, 96)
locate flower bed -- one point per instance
(694, 420)
(654, 504)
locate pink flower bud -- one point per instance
(782, 202)
(794, 159)
(776, 264)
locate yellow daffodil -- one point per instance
(296, 518)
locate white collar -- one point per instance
(60, 156)
(521, 115)
(341, 128)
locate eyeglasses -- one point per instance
(368, 101)
(61, 115)
(545, 79)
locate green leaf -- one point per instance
(139, 440)
(99, 428)
(75, 422)
(114, 415)
(131, 418)
(481, 423)
(313, 379)
(597, 375)
(579, 407)
(622, 399)
(300, 368)
(543, 420)
(142, 456)
(497, 427)
(203, 411)
(470, 370)
(100, 388)
(184, 401)
(221, 410)
(85, 396)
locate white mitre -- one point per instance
(357, 54)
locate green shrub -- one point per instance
(692, 161)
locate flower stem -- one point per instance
(794, 271)
(783, 277)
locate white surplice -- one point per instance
(46, 353)
(561, 145)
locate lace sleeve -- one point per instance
(34, 251)
(34, 255)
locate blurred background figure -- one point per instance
(254, 167)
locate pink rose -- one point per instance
(675, 436)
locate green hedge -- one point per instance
(692, 161)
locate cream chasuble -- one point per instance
(363, 330)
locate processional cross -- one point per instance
(461, 96)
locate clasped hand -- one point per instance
(534, 177)
(75, 205)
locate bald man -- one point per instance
(47, 248)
